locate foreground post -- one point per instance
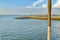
(49, 20)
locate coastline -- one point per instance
(44, 17)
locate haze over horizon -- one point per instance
(28, 7)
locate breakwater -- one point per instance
(39, 17)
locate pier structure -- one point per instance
(49, 20)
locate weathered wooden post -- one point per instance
(49, 20)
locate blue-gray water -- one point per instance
(27, 29)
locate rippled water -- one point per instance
(27, 29)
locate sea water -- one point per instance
(27, 29)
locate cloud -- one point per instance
(29, 7)
(44, 6)
(57, 4)
(35, 3)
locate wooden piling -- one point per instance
(49, 20)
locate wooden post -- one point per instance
(49, 20)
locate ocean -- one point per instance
(27, 29)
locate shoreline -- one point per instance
(38, 17)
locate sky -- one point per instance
(26, 6)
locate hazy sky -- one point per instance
(19, 6)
